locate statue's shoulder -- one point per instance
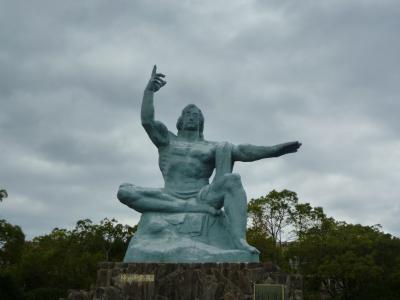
(171, 138)
(218, 144)
(223, 145)
(211, 144)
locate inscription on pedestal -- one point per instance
(131, 278)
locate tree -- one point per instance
(11, 243)
(303, 217)
(9, 288)
(346, 261)
(271, 214)
(108, 236)
(280, 216)
(67, 259)
(276, 219)
(3, 194)
(265, 244)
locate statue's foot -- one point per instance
(243, 245)
(194, 206)
(215, 212)
(209, 209)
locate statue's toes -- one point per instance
(246, 246)
(254, 250)
(213, 211)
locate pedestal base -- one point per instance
(145, 281)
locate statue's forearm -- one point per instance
(147, 112)
(247, 152)
(156, 130)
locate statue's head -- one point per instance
(191, 119)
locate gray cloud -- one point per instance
(263, 72)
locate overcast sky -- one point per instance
(72, 74)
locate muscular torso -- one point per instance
(186, 166)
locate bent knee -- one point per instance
(232, 181)
(126, 193)
(122, 195)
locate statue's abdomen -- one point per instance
(183, 167)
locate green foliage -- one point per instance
(9, 288)
(337, 260)
(265, 244)
(281, 216)
(11, 243)
(3, 194)
(271, 214)
(49, 265)
(47, 293)
(278, 216)
(347, 261)
(304, 217)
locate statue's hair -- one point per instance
(201, 119)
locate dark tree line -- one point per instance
(337, 260)
(49, 265)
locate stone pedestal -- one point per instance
(168, 281)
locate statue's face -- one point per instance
(191, 119)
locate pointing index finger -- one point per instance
(154, 70)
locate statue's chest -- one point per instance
(197, 151)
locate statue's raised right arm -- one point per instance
(156, 130)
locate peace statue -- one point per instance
(191, 219)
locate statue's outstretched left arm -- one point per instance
(247, 152)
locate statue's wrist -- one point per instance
(277, 151)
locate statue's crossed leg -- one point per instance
(225, 192)
(158, 200)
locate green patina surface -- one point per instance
(192, 219)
